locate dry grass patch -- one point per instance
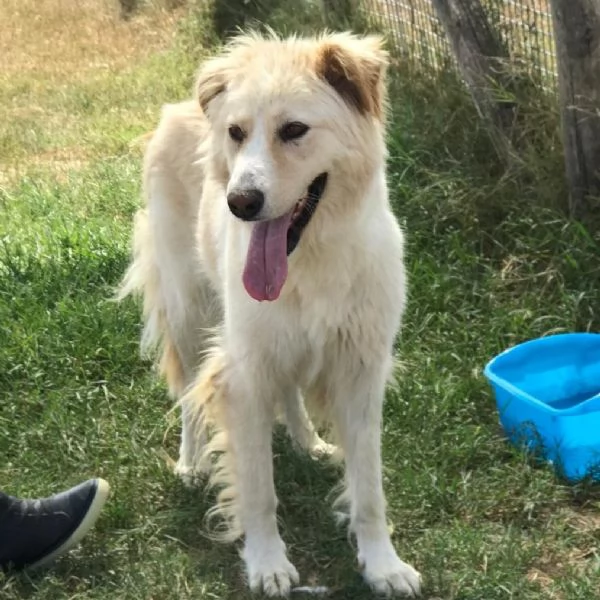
(77, 82)
(69, 38)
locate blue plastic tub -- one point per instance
(548, 397)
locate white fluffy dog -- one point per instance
(268, 222)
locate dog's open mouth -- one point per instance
(304, 210)
(273, 241)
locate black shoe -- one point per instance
(34, 532)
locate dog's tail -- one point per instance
(142, 278)
(206, 401)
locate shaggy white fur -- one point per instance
(289, 136)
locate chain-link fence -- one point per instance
(525, 26)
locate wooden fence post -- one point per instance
(577, 35)
(481, 58)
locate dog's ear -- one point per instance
(211, 81)
(355, 67)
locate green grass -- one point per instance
(492, 262)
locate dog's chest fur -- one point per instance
(342, 300)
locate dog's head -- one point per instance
(288, 118)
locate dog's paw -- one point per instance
(321, 449)
(190, 476)
(390, 576)
(270, 572)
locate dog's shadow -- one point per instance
(317, 544)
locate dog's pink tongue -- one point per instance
(266, 263)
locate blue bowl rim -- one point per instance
(491, 376)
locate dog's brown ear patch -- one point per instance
(355, 68)
(211, 81)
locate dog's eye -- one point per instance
(293, 131)
(236, 133)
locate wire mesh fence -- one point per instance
(525, 27)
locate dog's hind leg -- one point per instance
(302, 429)
(178, 305)
(190, 307)
(356, 414)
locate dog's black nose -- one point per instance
(246, 204)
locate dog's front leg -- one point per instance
(250, 416)
(357, 411)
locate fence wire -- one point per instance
(525, 26)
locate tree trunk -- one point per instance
(577, 34)
(481, 58)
